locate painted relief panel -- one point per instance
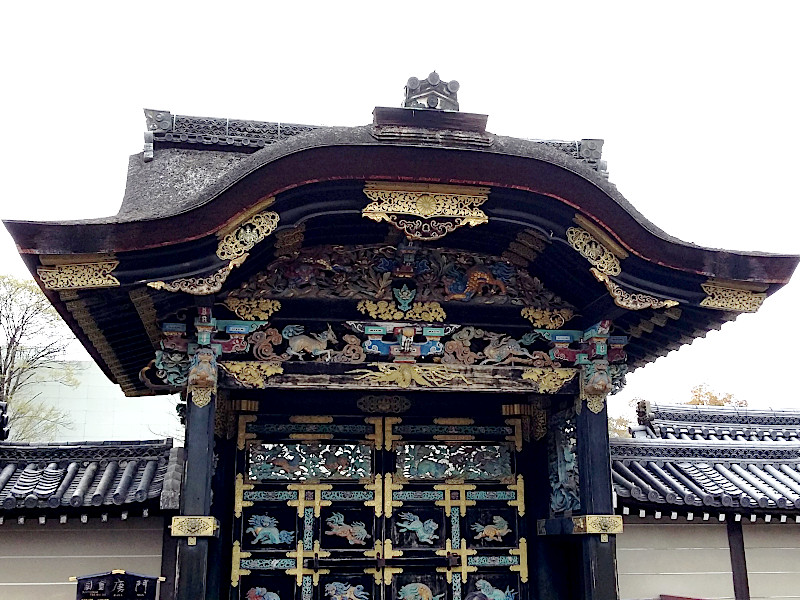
(441, 461)
(309, 461)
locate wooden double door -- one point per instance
(379, 508)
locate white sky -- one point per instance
(697, 102)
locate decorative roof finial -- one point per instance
(431, 93)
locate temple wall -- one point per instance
(676, 558)
(772, 551)
(36, 561)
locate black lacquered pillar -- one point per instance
(598, 564)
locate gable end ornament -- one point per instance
(200, 286)
(247, 235)
(425, 211)
(594, 251)
(79, 276)
(730, 296)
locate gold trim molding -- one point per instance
(79, 276)
(200, 286)
(592, 250)
(522, 567)
(597, 524)
(236, 567)
(549, 381)
(251, 374)
(727, 297)
(252, 310)
(425, 211)
(631, 300)
(247, 235)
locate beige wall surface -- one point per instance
(678, 558)
(36, 561)
(772, 552)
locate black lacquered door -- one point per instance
(379, 508)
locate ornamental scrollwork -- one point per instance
(549, 380)
(200, 286)
(260, 309)
(247, 235)
(405, 374)
(79, 276)
(251, 374)
(593, 251)
(631, 300)
(439, 210)
(430, 312)
(728, 298)
(500, 349)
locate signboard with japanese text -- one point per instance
(116, 585)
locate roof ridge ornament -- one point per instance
(431, 93)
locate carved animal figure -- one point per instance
(417, 591)
(355, 533)
(260, 593)
(493, 532)
(335, 463)
(315, 345)
(424, 531)
(492, 593)
(265, 530)
(344, 591)
(503, 349)
(288, 465)
(477, 280)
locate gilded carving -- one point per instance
(522, 567)
(256, 309)
(247, 235)
(602, 524)
(200, 286)
(439, 210)
(236, 567)
(201, 397)
(593, 251)
(430, 312)
(238, 495)
(251, 374)
(549, 380)
(547, 319)
(730, 298)
(631, 300)
(404, 374)
(79, 276)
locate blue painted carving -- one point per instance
(354, 533)
(405, 340)
(425, 532)
(404, 297)
(308, 528)
(308, 461)
(492, 561)
(172, 367)
(431, 461)
(260, 593)
(344, 591)
(269, 496)
(417, 591)
(301, 345)
(455, 527)
(563, 464)
(265, 531)
(268, 564)
(492, 593)
(493, 532)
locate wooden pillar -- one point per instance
(196, 499)
(741, 587)
(598, 564)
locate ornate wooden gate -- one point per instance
(379, 508)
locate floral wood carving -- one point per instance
(549, 380)
(430, 312)
(79, 276)
(630, 300)
(378, 273)
(247, 235)
(200, 286)
(729, 298)
(593, 251)
(251, 374)
(406, 374)
(547, 319)
(259, 309)
(425, 212)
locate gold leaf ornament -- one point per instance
(549, 381)
(251, 374)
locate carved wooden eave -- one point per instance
(532, 205)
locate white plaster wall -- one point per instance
(36, 561)
(772, 552)
(677, 558)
